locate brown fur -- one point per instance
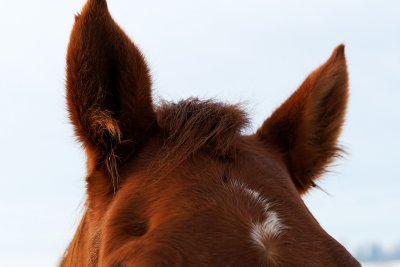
(306, 127)
(172, 185)
(109, 88)
(193, 124)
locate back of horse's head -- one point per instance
(180, 184)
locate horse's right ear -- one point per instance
(108, 86)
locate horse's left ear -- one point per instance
(108, 87)
(306, 127)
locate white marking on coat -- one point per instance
(261, 231)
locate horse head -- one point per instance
(180, 184)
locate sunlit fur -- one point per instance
(179, 184)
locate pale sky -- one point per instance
(256, 51)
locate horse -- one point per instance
(181, 184)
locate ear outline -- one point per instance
(305, 128)
(108, 89)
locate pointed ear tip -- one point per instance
(341, 48)
(339, 52)
(98, 2)
(97, 5)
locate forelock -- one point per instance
(192, 124)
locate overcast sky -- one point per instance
(257, 51)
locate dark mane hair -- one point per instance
(192, 124)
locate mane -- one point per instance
(193, 124)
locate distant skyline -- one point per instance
(377, 253)
(252, 51)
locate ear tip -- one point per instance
(339, 52)
(340, 48)
(95, 6)
(98, 2)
